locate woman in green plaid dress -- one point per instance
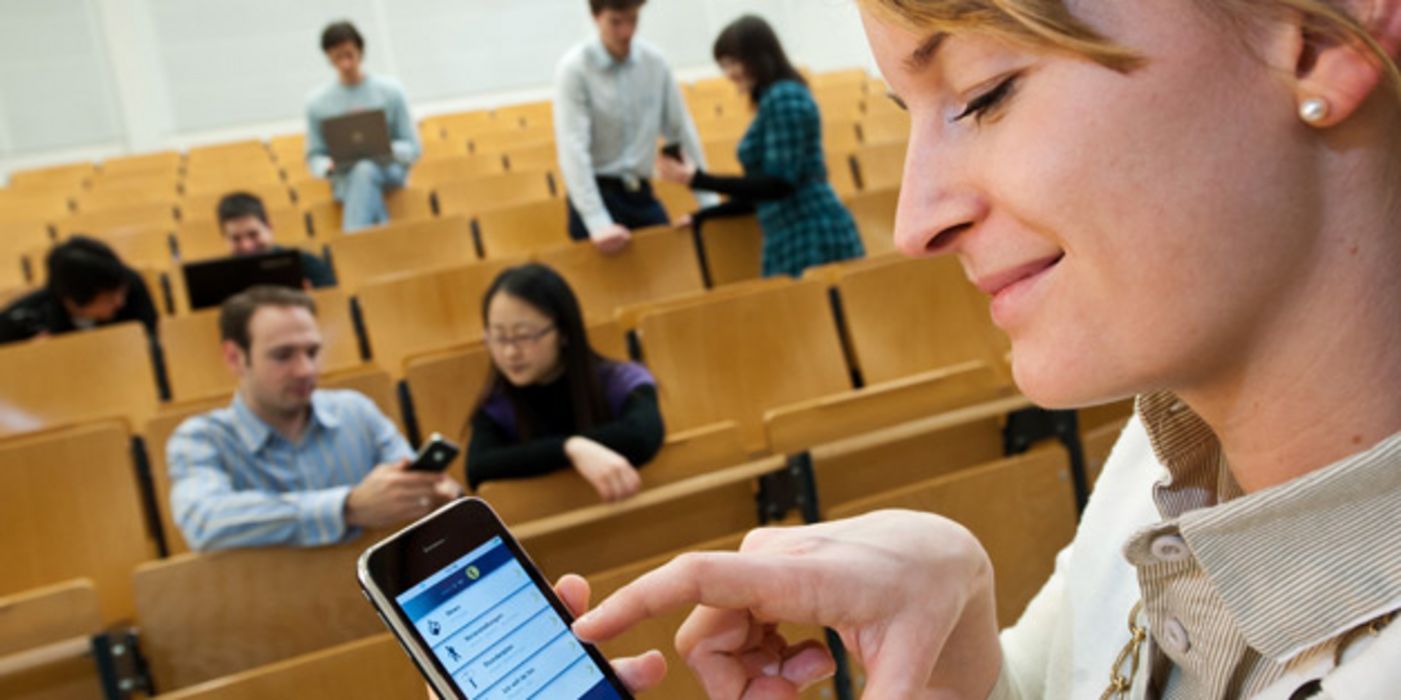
(785, 174)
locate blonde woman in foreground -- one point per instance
(1193, 202)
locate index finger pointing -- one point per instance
(731, 580)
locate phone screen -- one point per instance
(495, 632)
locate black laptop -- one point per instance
(210, 282)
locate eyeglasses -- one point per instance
(502, 341)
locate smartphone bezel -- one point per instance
(435, 441)
(442, 534)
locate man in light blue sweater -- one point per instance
(361, 185)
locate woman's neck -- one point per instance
(1319, 383)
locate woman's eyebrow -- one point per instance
(924, 54)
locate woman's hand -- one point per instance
(609, 472)
(909, 593)
(678, 171)
(638, 673)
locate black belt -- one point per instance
(630, 183)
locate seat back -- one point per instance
(737, 357)
(684, 455)
(1022, 510)
(657, 263)
(405, 247)
(1098, 443)
(874, 212)
(421, 312)
(194, 356)
(73, 510)
(481, 194)
(524, 229)
(365, 669)
(881, 166)
(204, 616)
(77, 377)
(44, 616)
(908, 316)
(734, 249)
(440, 171)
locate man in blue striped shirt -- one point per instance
(285, 463)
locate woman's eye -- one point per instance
(980, 106)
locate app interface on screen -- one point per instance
(496, 633)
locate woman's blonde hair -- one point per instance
(1049, 24)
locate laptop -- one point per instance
(357, 136)
(210, 282)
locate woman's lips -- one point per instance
(998, 281)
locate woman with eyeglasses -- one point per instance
(551, 402)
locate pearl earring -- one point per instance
(1313, 110)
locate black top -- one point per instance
(493, 453)
(316, 271)
(41, 311)
(755, 188)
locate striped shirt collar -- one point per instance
(255, 433)
(1298, 564)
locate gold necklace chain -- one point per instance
(1119, 685)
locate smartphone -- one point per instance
(476, 616)
(672, 151)
(435, 455)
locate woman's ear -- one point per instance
(1335, 76)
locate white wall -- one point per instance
(85, 79)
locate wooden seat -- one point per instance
(75, 378)
(194, 357)
(366, 669)
(1116, 412)
(664, 519)
(723, 126)
(507, 139)
(21, 237)
(527, 114)
(118, 219)
(893, 127)
(628, 316)
(840, 108)
(446, 384)
(722, 157)
(420, 312)
(288, 148)
(794, 428)
(477, 195)
(734, 358)
(840, 137)
(839, 78)
(437, 147)
(881, 166)
(205, 205)
(200, 237)
(393, 249)
(840, 173)
(537, 157)
(54, 622)
(71, 176)
(368, 380)
(404, 204)
(227, 153)
(684, 455)
(460, 122)
(217, 181)
(438, 171)
(149, 247)
(524, 229)
(908, 316)
(39, 205)
(204, 616)
(312, 191)
(657, 263)
(145, 164)
(874, 212)
(1022, 510)
(677, 200)
(734, 249)
(126, 192)
(73, 509)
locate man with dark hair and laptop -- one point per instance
(87, 286)
(244, 222)
(359, 109)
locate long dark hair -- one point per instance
(751, 41)
(545, 290)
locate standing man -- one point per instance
(361, 185)
(287, 464)
(614, 95)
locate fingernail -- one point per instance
(772, 669)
